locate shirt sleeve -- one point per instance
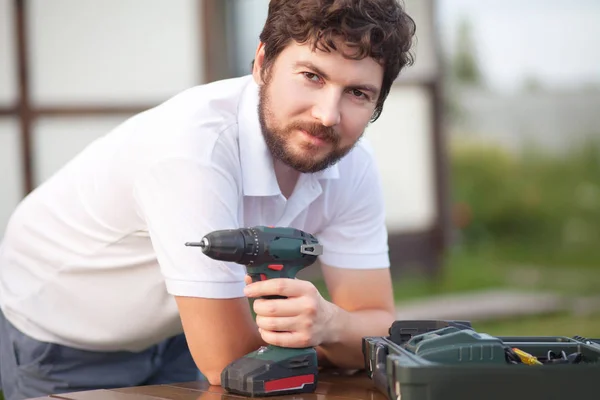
(181, 200)
(357, 237)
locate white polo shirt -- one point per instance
(92, 258)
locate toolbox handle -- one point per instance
(379, 369)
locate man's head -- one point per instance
(325, 68)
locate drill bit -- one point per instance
(203, 244)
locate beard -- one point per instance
(277, 139)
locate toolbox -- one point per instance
(449, 360)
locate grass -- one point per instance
(562, 324)
(468, 270)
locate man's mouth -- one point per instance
(314, 139)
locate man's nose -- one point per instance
(327, 108)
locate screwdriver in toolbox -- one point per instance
(526, 358)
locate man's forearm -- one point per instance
(344, 349)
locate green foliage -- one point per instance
(536, 207)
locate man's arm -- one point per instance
(355, 265)
(363, 306)
(218, 331)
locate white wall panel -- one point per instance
(8, 87)
(113, 51)
(246, 19)
(11, 178)
(401, 139)
(426, 65)
(57, 140)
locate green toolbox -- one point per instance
(449, 360)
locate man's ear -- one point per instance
(257, 66)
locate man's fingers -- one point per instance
(279, 287)
(276, 324)
(277, 307)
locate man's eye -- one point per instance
(311, 76)
(359, 94)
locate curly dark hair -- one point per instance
(380, 29)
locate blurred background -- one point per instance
(488, 145)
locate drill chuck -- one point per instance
(224, 245)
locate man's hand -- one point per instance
(303, 319)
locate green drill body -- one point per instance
(267, 253)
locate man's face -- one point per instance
(315, 105)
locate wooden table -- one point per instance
(330, 386)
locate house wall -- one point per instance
(90, 53)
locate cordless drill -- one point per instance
(267, 253)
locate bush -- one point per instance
(545, 207)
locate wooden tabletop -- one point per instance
(330, 385)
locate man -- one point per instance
(96, 286)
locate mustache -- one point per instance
(319, 131)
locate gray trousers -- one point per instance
(30, 368)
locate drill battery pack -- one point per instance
(434, 359)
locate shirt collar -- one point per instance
(256, 161)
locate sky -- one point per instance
(555, 41)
